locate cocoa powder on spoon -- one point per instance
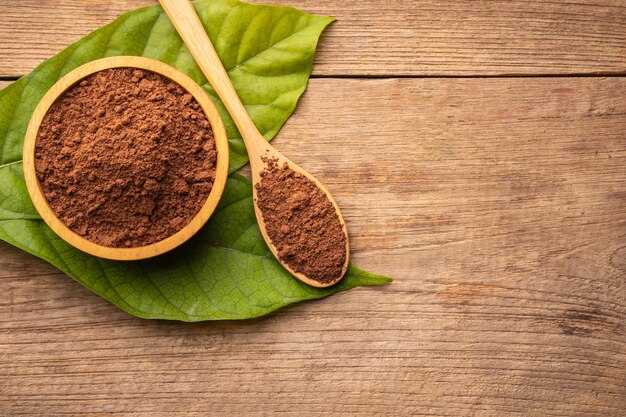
(301, 222)
(125, 157)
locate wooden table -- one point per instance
(478, 149)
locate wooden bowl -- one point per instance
(140, 252)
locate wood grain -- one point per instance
(496, 204)
(372, 37)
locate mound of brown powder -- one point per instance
(301, 222)
(126, 157)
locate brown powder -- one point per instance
(301, 222)
(126, 157)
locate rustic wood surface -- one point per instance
(498, 204)
(380, 37)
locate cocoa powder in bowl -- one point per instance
(126, 157)
(301, 222)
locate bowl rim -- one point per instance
(139, 252)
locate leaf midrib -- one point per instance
(8, 164)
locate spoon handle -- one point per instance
(188, 25)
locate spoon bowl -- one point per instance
(257, 166)
(140, 252)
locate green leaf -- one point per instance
(226, 271)
(15, 202)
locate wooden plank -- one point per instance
(371, 37)
(496, 204)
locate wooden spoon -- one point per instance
(188, 25)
